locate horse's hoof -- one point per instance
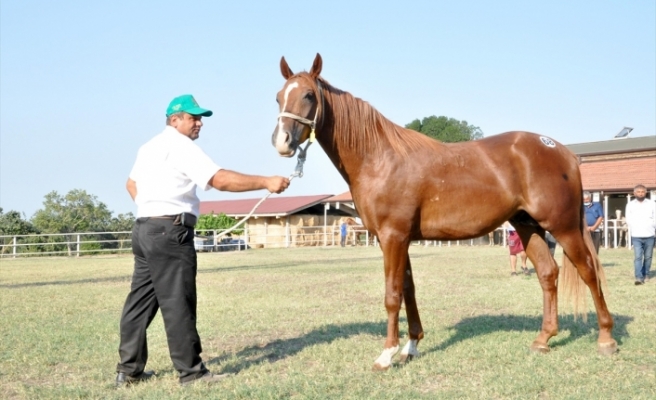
(608, 348)
(541, 348)
(379, 368)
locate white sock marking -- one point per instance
(385, 359)
(410, 349)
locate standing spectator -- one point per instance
(163, 184)
(342, 231)
(641, 218)
(594, 216)
(516, 248)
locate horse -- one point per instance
(407, 186)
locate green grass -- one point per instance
(308, 323)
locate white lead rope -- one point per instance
(298, 171)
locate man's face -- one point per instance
(189, 125)
(586, 199)
(640, 193)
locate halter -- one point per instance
(298, 171)
(312, 124)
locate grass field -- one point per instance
(308, 323)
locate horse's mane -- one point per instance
(364, 129)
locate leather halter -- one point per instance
(312, 124)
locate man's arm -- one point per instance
(599, 220)
(231, 181)
(131, 186)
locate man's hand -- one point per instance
(277, 184)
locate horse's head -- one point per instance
(300, 101)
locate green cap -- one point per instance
(186, 103)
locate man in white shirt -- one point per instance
(641, 219)
(163, 184)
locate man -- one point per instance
(342, 231)
(641, 218)
(594, 216)
(163, 184)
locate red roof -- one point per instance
(619, 175)
(272, 206)
(346, 196)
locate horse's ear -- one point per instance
(284, 68)
(316, 66)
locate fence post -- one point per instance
(78, 245)
(14, 247)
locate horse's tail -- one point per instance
(572, 284)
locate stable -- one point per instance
(610, 170)
(288, 221)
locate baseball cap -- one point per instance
(186, 103)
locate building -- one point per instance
(288, 221)
(610, 170)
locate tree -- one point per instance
(13, 223)
(216, 221)
(446, 129)
(121, 223)
(78, 211)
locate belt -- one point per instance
(186, 219)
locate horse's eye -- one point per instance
(309, 96)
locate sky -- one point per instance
(83, 84)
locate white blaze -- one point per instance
(281, 137)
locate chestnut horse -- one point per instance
(407, 186)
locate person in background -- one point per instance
(516, 249)
(162, 183)
(594, 216)
(342, 231)
(641, 218)
(551, 242)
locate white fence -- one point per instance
(94, 243)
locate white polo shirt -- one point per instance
(641, 218)
(167, 171)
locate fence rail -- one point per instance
(93, 243)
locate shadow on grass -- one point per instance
(124, 278)
(466, 329)
(484, 324)
(301, 263)
(282, 348)
(247, 267)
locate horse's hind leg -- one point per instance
(580, 252)
(415, 330)
(546, 269)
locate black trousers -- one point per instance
(164, 278)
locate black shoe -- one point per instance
(123, 380)
(208, 378)
(639, 283)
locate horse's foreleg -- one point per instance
(546, 268)
(415, 331)
(395, 254)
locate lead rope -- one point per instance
(298, 171)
